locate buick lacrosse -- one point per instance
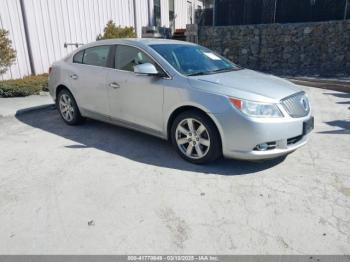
(204, 104)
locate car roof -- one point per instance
(137, 42)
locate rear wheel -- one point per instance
(195, 137)
(68, 108)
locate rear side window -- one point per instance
(78, 57)
(127, 57)
(97, 56)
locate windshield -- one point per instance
(193, 60)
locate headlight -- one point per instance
(256, 109)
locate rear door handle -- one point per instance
(114, 85)
(74, 76)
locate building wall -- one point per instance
(287, 49)
(51, 23)
(181, 12)
(11, 20)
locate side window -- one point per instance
(96, 56)
(126, 57)
(78, 57)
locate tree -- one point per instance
(113, 31)
(7, 53)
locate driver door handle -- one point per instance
(74, 76)
(114, 85)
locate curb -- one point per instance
(34, 108)
(27, 110)
(330, 85)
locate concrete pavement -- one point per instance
(16, 105)
(100, 189)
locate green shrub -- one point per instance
(7, 53)
(26, 86)
(113, 31)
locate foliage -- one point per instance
(26, 86)
(7, 53)
(113, 31)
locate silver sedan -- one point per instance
(204, 104)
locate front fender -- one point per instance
(210, 103)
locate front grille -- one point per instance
(296, 105)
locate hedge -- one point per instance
(26, 86)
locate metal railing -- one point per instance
(242, 12)
(65, 45)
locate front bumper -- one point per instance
(241, 134)
(268, 154)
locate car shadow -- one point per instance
(342, 125)
(133, 145)
(340, 95)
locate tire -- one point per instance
(199, 142)
(68, 108)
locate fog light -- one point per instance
(262, 147)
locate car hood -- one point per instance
(245, 81)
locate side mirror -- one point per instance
(146, 69)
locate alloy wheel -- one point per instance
(192, 138)
(66, 107)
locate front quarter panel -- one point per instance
(179, 93)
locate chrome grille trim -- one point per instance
(294, 106)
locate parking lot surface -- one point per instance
(101, 189)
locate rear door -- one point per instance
(88, 78)
(135, 99)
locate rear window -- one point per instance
(96, 56)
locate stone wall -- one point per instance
(321, 48)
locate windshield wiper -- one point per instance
(198, 73)
(222, 70)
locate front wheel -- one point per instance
(195, 137)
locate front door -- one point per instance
(135, 99)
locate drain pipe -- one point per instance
(135, 18)
(346, 9)
(149, 13)
(214, 11)
(274, 12)
(26, 33)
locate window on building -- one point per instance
(127, 57)
(96, 56)
(157, 15)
